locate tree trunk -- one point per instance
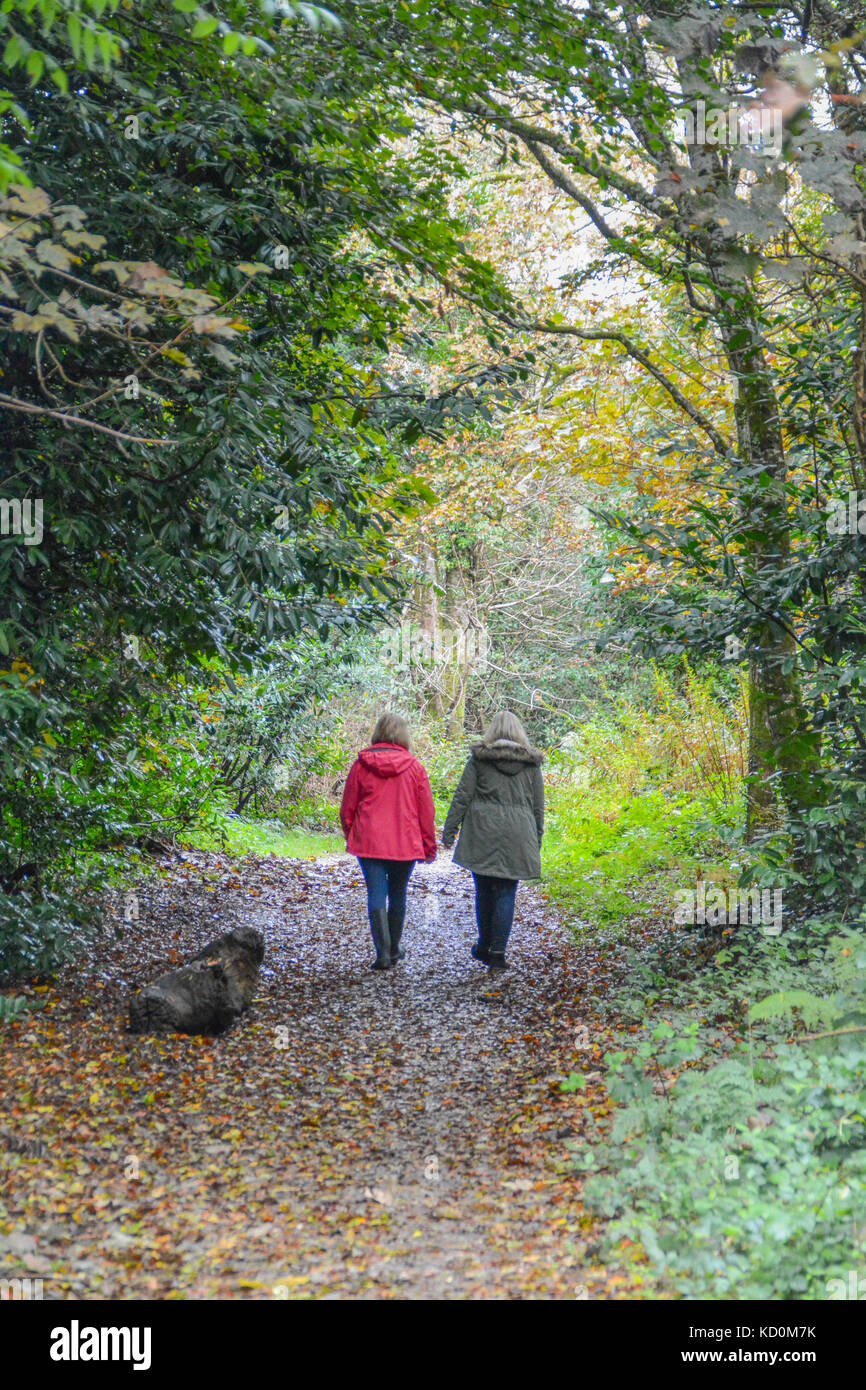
(205, 996)
(454, 669)
(779, 748)
(782, 752)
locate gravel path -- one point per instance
(357, 1134)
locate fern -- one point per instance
(782, 1005)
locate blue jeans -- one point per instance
(494, 911)
(386, 881)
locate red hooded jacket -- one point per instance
(387, 809)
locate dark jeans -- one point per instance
(386, 881)
(494, 910)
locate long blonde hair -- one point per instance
(506, 725)
(391, 728)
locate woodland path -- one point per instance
(357, 1134)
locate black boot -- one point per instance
(381, 938)
(481, 949)
(395, 928)
(500, 930)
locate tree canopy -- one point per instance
(266, 365)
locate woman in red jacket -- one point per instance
(387, 819)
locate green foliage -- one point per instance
(273, 729)
(444, 757)
(687, 734)
(317, 814)
(41, 930)
(642, 795)
(783, 1005)
(13, 1006)
(736, 1160)
(205, 416)
(80, 41)
(237, 835)
(607, 855)
(755, 259)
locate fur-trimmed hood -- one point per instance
(509, 756)
(498, 808)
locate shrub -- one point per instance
(746, 1177)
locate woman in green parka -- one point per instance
(498, 808)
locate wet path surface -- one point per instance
(357, 1134)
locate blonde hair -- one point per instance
(506, 725)
(391, 728)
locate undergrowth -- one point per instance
(736, 1161)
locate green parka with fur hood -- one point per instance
(499, 809)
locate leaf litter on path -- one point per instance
(355, 1135)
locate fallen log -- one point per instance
(207, 994)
